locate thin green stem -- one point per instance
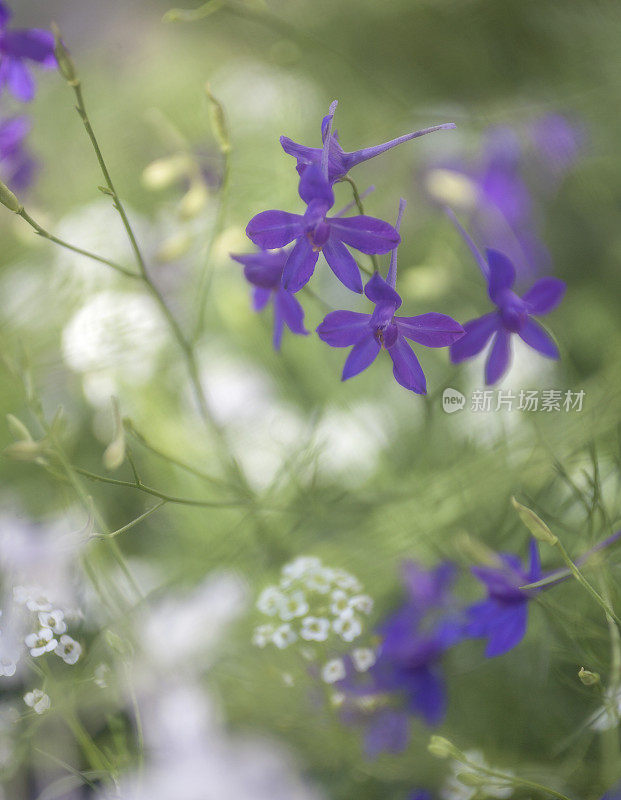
(360, 207)
(134, 522)
(585, 584)
(512, 779)
(50, 237)
(167, 498)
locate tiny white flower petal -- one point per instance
(362, 602)
(363, 658)
(68, 649)
(270, 601)
(283, 636)
(347, 627)
(293, 606)
(315, 629)
(333, 671)
(38, 701)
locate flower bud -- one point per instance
(8, 199)
(587, 677)
(65, 62)
(219, 126)
(163, 172)
(194, 201)
(441, 748)
(535, 525)
(25, 450)
(17, 429)
(472, 779)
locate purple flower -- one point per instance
(369, 333)
(264, 271)
(16, 164)
(314, 232)
(503, 616)
(513, 315)
(420, 794)
(17, 47)
(407, 671)
(340, 162)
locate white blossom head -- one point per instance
(38, 700)
(68, 649)
(41, 642)
(55, 620)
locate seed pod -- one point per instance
(535, 525)
(8, 199)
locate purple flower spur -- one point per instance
(370, 333)
(340, 162)
(513, 315)
(264, 271)
(17, 48)
(315, 232)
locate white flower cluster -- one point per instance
(32, 608)
(314, 603)
(478, 782)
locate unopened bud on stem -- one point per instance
(535, 525)
(8, 199)
(587, 677)
(441, 748)
(65, 62)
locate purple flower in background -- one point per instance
(340, 162)
(264, 271)
(503, 616)
(17, 166)
(559, 141)
(369, 333)
(513, 315)
(17, 47)
(314, 232)
(420, 794)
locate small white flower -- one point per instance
(38, 601)
(8, 666)
(262, 635)
(101, 675)
(270, 601)
(287, 679)
(315, 629)
(337, 699)
(300, 566)
(340, 602)
(333, 671)
(55, 620)
(363, 658)
(497, 787)
(38, 701)
(68, 649)
(348, 627)
(362, 602)
(293, 606)
(319, 580)
(41, 642)
(283, 636)
(344, 580)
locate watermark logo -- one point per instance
(529, 400)
(452, 401)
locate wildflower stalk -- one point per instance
(134, 522)
(360, 207)
(79, 250)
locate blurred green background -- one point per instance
(362, 474)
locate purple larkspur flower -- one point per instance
(502, 617)
(340, 162)
(369, 333)
(613, 794)
(420, 794)
(407, 670)
(513, 315)
(315, 232)
(17, 166)
(264, 271)
(17, 48)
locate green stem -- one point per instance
(512, 779)
(134, 522)
(50, 237)
(585, 584)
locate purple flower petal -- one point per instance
(544, 295)
(427, 694)
(5, 14)
(12, 134)
(260, 298)
(271, 229)
(432, 330)
(382, 293)
(477, 334)
(534, 565)
(299, 266)
(19, 80)
(388, 732)
(314, 186)
(309, 155)
(262, 269)
(501, 273)
(406, 368)
(342, 264)
(367, 234)
(34, 44)
(291, 312)
(362, 355)
(343, 328)
(535, 336)
(499, 357)
(507, 630)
